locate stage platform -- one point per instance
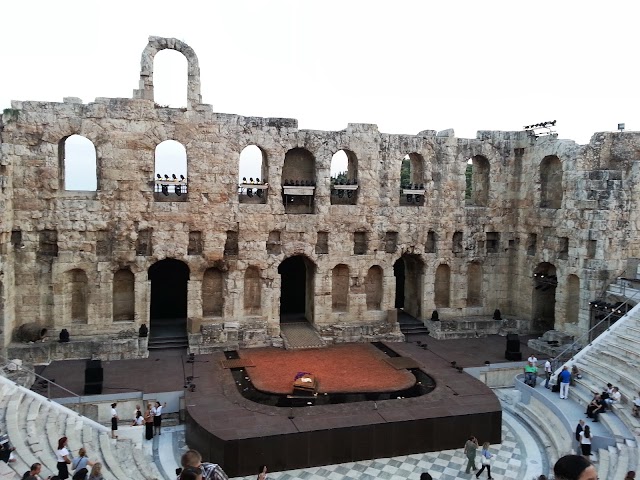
(241, 434)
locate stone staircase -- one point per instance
(300, 335)
(410, 325)
(34, 425)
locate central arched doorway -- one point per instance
(408, 271)
(545, 282)
(296, 289)
(168, 307)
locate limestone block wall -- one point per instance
(546, 206)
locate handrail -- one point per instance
(576, 343)
(49, 382)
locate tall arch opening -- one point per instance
(252, 291)
(77, 293)
(474, 285)
(373, 287)
(551, 182)
(544, 286)
(212, 293)
(78, 166)
(170, 75)
(252, 170)
(297, 275)
(170, 165)
(412, 180)
(299, 181)
(344, 178)
(442, 287)
(408, 270)
(573, 299)
(477, 180)
(168, 310)
(124, 299)
(340, 288)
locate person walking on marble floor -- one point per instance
(470, 450)
(486, 461)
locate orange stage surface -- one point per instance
(345, 368)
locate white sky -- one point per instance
(406, 66)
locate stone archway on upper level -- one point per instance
(157, 44)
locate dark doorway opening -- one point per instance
(168, 309)
(545, 282)
(408, 271)
(398, 272)
(293, 290)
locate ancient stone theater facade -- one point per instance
(540, 228)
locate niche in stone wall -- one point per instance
(322, 243)
(77, 164)
(412, 187)
(442, 286)
(76, 291)
(360, 243)
(532, 242)
(274, 245)
(474, 285)
(592, 246)
(477, 181)
(456, 243)
(231, 243)
(431, 245)
(16, 239)
(252, 291)
(1, 304)
(195, 245)
(344, 178)
(563, 248)
(104, 243)
(213, 293)
(144, 247)
(493, 242)
(551, 182)
(573, 299)
(48, 243)
(340, 288)
(124, 299)
(170, 166)
(390, 242)
(298, 181)
(373, 288)
(252, 178)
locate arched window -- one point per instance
(76, 293)
(252, 291)
(170, 74)
(212, 293)
(77, 163)
(344, 178)
(474, 285)
(412, 180)
(573, 299)
(252, 171)
(171, 171)
(373, 288)
(551, 182)
(442, 286)
(124, 300)
(340, 288)
(298, 181)
(477, 180)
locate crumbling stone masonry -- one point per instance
(535, 208)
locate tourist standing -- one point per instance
(157, 417)
(585, 442)
(486, 460)
(579, 428)
(114, 420)
(62, 457)
(470, 450)
(532, 358)
(547, 373)
(148, 423)
(564, 378)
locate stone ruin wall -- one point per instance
(590, 236)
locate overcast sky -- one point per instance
(406, 66)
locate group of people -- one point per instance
(601, 402)
(470, 450)
(151, 419)
(81, 466)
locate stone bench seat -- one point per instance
(600, 371)
(603, 463)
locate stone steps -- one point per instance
(34, 425)
(603, 464)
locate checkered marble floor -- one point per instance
(509, 462)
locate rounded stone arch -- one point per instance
(169, 278)
(543, 296)
(572, 309)
(374, 287)
(474, 284)
(78, 160)
(409, 272)
(299, 165)
(551, 173)
(344, 160)
(252, 291)
(297, 288)
(340, 288)
(170, 158)
(442, 286)
(477, 176)
(76, 293)
(123, 295)
(412, 169)
(157, 44)
(250, 154)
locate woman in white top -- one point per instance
(157, 417)
(114, 420)
(585, 442)
(139, 420)
(62, 457)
